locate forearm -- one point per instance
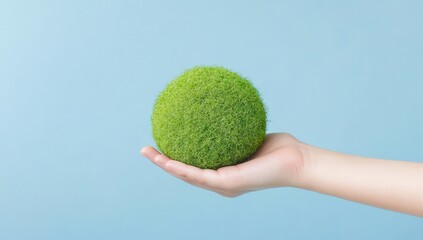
(394, 185)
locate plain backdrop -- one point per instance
(78, 80)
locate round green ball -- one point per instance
(209, 117)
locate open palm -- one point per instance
(278, 162)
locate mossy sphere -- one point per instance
(209, 117)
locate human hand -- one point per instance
(278, 162)
(282, 160)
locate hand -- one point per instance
(282, 160)
(278, 162)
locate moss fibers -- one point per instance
(209, 117)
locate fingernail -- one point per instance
(144, 151)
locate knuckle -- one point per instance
(201, 181)
(197, 180)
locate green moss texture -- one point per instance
(209, 117)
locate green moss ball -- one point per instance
(209, 117)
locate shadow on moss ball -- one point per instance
(209, 117)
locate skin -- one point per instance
(283, 161)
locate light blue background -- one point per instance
(78, 80)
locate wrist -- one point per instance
(310, 159)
